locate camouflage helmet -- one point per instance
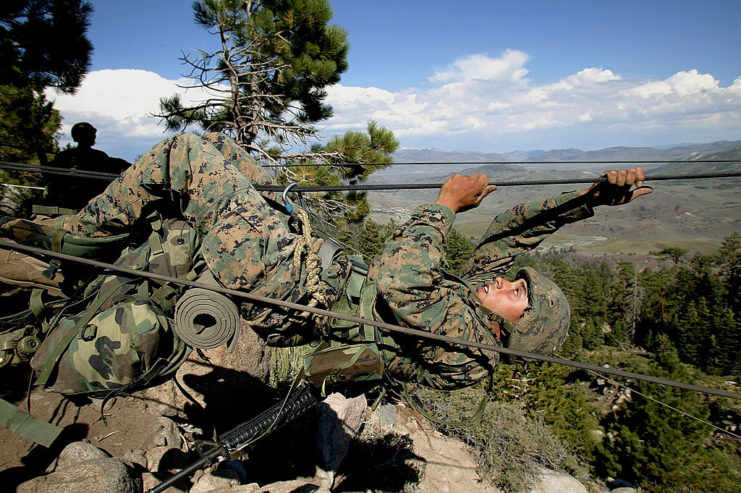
(545, 323)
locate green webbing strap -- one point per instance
(163, 296)
(36, 303)
(366, 303)
(142, 291)
(51, 210)
(25, 425)
(69, 336)
(155, 243)
(358, 274)
(56, 240)
(464, 422)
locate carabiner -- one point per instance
(288, 206)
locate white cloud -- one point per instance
(689, 83)
(120, 98)
(590, 76)
(490, 97)
(509, 67)
(649, 90)
(477, 97)
(121, 101)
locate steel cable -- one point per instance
(424, 186)
(487, 163)
(380, 187)
(381, 325)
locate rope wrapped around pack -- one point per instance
(303, 256)
(206, 319)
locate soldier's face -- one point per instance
(507, 299)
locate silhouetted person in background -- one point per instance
(73, 192)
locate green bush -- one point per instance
(510, 445)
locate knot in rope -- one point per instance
(315, 288)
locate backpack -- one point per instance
(117, 334)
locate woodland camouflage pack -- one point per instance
(116, 334)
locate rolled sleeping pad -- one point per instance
(205, 319)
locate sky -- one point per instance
(475, 75)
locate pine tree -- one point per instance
(372, 149)
(457, 252)
(389, 229)
(28, 125)
(722, 346)
(687, 324)
(652, 314)
(370, 242)
(267, 80)
(43, 44)
(729, 261)
(651, 443)
(675, 254)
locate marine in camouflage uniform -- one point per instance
(248, 243)
(415, 290)
(420, 294)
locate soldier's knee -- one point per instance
(187, 139)
(213, 137)
(222, 142)
(385, 285)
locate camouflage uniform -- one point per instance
(248, 243)
(418, 293)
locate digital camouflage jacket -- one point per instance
(416, 292)
(247, 240)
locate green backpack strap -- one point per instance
(36, 302)
(25, 425)
(52, 210)
(57, 240)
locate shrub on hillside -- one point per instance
(510, 445)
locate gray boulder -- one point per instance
(101, 475)
(547, 481)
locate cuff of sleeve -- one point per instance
(438, 215)
(580, 210)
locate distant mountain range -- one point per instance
(436, 163)
(682, 152)
(703, 210)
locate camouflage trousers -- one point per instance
(246, 243)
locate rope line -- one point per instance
(30, 187)
(54, 170)
(381, 325)
(378, 187)
(304, 256)
(427, 186)
(486, 163)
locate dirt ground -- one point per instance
(408, 454)
(130, 427)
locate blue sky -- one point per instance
(472, 75)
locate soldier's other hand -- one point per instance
(463, 192)
(618, 187)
